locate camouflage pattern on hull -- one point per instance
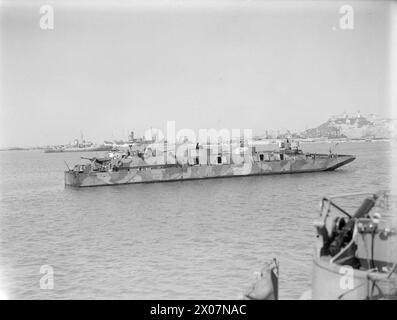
(186, 172)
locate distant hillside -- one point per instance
(358, 127)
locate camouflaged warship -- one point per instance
(199, 162)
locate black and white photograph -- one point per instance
(206, 150)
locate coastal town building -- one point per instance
(353, 127)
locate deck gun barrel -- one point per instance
(345, 235)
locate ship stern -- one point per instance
(72, 179)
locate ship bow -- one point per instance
(340, 161)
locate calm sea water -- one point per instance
(180, 240)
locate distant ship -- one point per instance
(79, 146)
(58, 149)
(201, 162)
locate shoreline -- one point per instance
(266, 141)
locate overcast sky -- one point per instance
(112, 66)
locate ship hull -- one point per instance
(181, 173)
(337, 282)
(93, 149)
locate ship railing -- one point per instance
(330, 202)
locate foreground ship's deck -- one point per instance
(355, 255)
(129, 174)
